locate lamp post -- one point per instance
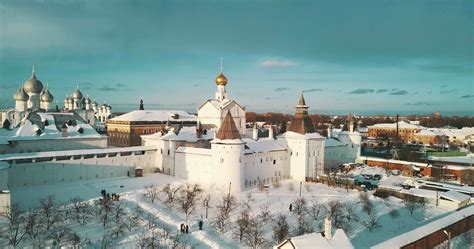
(449, 238)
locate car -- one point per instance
(377, 177)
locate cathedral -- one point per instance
(33, 97)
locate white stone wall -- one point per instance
(265, 167)
(38, 145)
(196, 168)
(54, 172)
(228, 165)
(335, 156)
(353, 141)
(315, 159)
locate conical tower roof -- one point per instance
(301, 101)
(302, 123)
(228, 129)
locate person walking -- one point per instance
(200, 225)
(291, 207)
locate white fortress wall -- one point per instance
(265, 167)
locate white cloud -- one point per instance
(277, 63)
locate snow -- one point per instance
(447, 186)
(191, 150)
(430, 227)
(263, 145)
(367, 171)
(156, 116)
(290, 134)
(455, 196)
(277, 199)
(332, 142)
(316, 240)
(401, 125)
(455, 159)
(187, 134)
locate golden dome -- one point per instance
(221, 79)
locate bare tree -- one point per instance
(82, 210)
(104, 208)
(132, 221)
(14, 232)
(299, 206)
(280, 229)
(393, 213)
(265, 214)
(49, 211)
(410, 203)
(371, 223)
(150, 220)
(335, 212)
(60, 234)
(315, 210)
(32, 225)
(350, 208)
(302, 225)
(307, 187)
(422, 203)
(77, 242)
(170, 193)
(242, 223)
(151, 193)
(206, 202)
(255, 237)
(223, 212)
(119, 211)
(187, 199)
(367, 204)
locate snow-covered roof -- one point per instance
(187, 133)
(420, 192)
(394, 161)
(61, 153)
(220, 104)
(290, 134)
(192, 150)
(316, 240)
(429, 133)
(156, 116)
(454, 159)
(262, 145)
(455, 196)
(423, 231)
(447, 186)
(28, 130)
(401, 125)
(333, 142)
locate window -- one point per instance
(168, 152)
(274, 161)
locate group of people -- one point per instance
(105, 195)
(185, 228)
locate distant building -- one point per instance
(406, 131)
(125, 130)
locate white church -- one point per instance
(218, 152)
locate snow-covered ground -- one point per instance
(277, 199)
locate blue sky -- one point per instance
(361, 56)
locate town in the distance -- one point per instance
(76, 174)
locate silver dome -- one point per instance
(33, 85)
(47, 96)
(21, 95)
(88, 100)
(77, 94)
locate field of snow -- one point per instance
(161, 221)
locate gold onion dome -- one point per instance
(221, 79)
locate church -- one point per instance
(218, 152)
(34, 97)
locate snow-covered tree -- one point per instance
(281, 228)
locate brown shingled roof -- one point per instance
(302, 123)
(228, 129)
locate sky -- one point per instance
(368, 57)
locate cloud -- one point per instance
(382, 90)
(313, 90)
(277, 63)
(429, 92)
(426, 103)
(443, 86)
(467, 96)
(362, 91)
(400, 92)
(282, 89)
(107, 89)
(448, 91)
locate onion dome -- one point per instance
(94, 103)
(77, 94)
(221, 79)
(46, 96)
(33, 85)
(88, 100)
(21, 95)
(69, 99)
